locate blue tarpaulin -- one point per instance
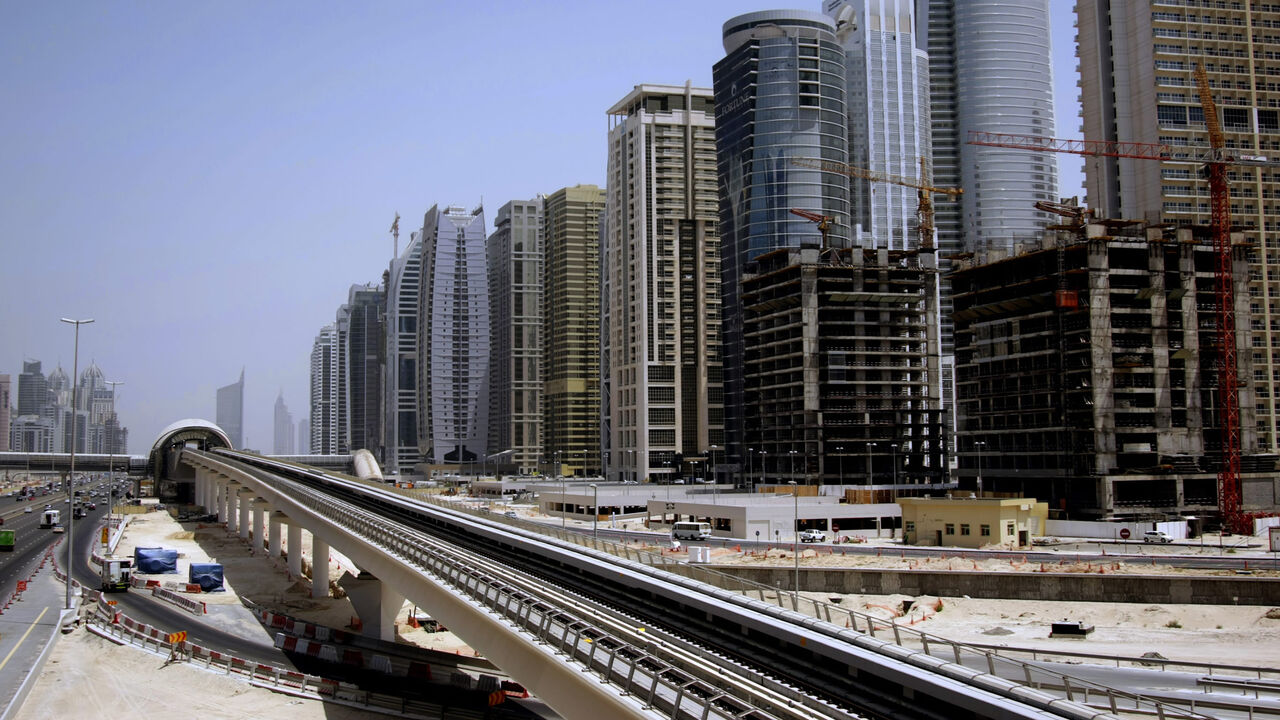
(208, 575)
(153, 561)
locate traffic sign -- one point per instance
(1124, 533)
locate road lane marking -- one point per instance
(24, 637)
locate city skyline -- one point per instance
(225, 207)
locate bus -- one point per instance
(691, 531)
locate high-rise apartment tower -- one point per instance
(661, 374)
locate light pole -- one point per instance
(714, 448)
(871, 478)
(750, 452)
(595, 509)
(840, 463)
(792, 453)
(111, 448)
(563, 505)
(795, 529)
(71, 479)
(763, 457)
(980, 444)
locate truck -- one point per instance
(51, 518)
(115, 574)
(7, 538)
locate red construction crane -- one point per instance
(1216, 162)
(824, 227)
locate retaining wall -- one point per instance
(1073, 587)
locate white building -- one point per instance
(325, 387)
(400, 378)
(661, 388)
(453, 338)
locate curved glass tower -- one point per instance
(1003, 84)
(779, 94)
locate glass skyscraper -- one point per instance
(779, 95)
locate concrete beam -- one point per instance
(273, 534)
(244, 498)
(295, 549)
(319, 568)
(376, 602)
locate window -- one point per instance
(964, 528)
(951, 529)
(1009, 529)
(985, 530)
(909, 526)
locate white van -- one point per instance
(691, 531)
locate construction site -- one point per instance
(1088, 373)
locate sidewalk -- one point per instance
(28, 631)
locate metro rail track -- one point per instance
(800, 668)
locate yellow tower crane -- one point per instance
(924, 208)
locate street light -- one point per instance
(595, 509)
(111, 448)
(980, 444)
(871, 478)
(563, 505)
(792, 453)
(75, 386)
(840, 462)
(795, 529)
(714, 448)
(763, 457)
(750, 452)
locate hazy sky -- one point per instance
(206, 180)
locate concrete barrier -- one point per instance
(1067, 586)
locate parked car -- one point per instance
(1156, 536)
(26, 509)
(811, 536)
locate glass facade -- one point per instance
(779, 94)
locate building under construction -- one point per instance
(841, 368)
(1086, 373)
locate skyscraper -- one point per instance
(515, 371)
(304, 436)
(33, 389)
(230, 415)
(779, 94)
(887, 71)
(1137, 65)
(453, 338)
(325, 426)
(5, 406)
(362, 322)
(989, 70)
(400, 426)
(283, 441)
(571, 327)
(661, 373)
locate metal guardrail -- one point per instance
(660, 686)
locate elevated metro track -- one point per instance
(658, 643)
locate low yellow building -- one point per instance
(972, 522)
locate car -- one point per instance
(811, 536)
(26, 509)
(47, 506)
(58, 529)
(93, 506)
(1156, 536)
(510, 514)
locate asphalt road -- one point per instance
(158, 614)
